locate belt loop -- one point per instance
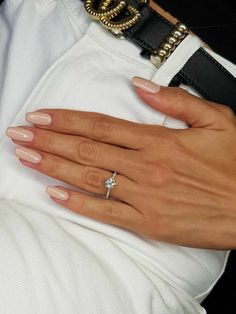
(177, 60)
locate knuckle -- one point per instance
(160, 173)
(152, 168)
(112, 210)
(151, 226)
(179, 93)
(102, 128)
(87, 151)
(146, 139)
(228, 111)
(172, 139)
(165, 176)
(51, 140)
(53, 167)
(66, 118)
(81, 203)
(168, 142)
(92, 178)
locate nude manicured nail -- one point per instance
(20, 134)
(27, 154)
(38, 117)
(57, 193)
(146, 85)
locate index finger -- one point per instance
(92, 125)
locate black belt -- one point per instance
(154, 34)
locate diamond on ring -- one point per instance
(109, 184)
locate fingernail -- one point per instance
(38, 117)
(20, 134)
(146, 85)
(57, 193)
(27, 154)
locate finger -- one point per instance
(107, 211)
(89, 179)
(92, 125)
(180, 104)
(227, 111)
(78, 149)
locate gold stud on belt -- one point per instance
(107, 10)
(170, 43)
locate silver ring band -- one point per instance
(109, 184)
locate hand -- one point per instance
(175, 186)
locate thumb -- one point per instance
(179, 104)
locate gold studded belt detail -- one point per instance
(107, 13)
(158, 38)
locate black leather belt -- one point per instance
(154, 34)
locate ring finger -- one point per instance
(87, 178)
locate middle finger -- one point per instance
(78, 149)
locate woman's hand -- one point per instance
(175, 186)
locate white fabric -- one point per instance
(54, 261)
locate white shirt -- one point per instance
(54, 261)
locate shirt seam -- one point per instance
(73, 17)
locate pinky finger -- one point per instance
(107, 211)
